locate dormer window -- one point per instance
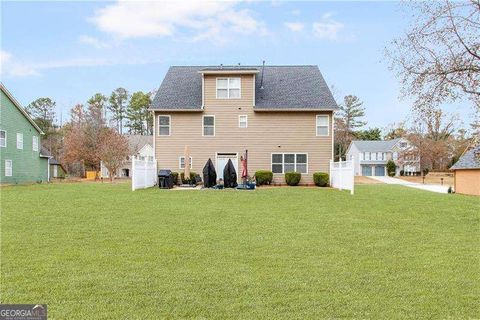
(228, 88)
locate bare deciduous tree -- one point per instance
(113, 150)
(432, 133)
(438, 59)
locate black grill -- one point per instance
(165, 179)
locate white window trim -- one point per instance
(328, 125)
(169, 125)
(20, 135)
(180, 162)
(34, 143)
(5, 139)
(214, 125)
(283, 161)
(228, 88)
(246, 121)
(11, 168)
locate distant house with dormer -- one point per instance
(371, 157)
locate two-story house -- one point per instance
(371, 157)
(283, 116)
(21, 160)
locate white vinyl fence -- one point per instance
(144, 173)
(342, 175)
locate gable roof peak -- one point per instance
(20, 108)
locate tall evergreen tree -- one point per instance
(138, 115)
(117, 106)
(96, 110)
(351, 112)
(42, 111)
(347, 121)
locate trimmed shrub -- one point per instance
(321, 179)
(263, 177)
(292, 178)
(175, 177)
(391, 168)
(190, 179)
(402, 173)
(425, 171)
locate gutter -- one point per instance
(176, 110)
(256, 109)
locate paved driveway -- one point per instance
(428, 187)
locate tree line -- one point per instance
(95, 129)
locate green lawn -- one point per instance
(100, 251)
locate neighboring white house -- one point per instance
(371, 157)
(140, 147)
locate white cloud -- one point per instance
(196, 20)
(295, 12)
(327, 27)
(294, 26)
(5, 56)
(12, 67)
(94, 42)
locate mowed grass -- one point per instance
(100, 251)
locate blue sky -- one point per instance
(70, 50)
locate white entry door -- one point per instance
(222, 160)
(55, 171)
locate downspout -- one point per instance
(203, 91)
(154, 137)
(333, 135)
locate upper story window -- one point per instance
(395, 156)
(3, 138)
(403, 145)
(243, 121)
(322, 125)
(164, 125)
(228, 88)
(35, 143)
(19, 140)
(366, 156)
(208, 125)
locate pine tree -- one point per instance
(117, 106)
(138, 114)
(347, 121)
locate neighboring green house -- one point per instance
(20, 158)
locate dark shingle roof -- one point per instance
(284, 87)
(470, 160)
(375, 145)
